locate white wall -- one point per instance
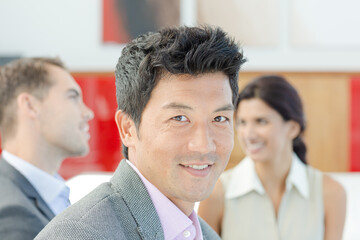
(72, 30)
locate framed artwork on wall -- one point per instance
(126, 19)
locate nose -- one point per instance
(201, 140)
(247, 131)
(88, 114)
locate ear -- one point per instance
(126, 127)
(28, 104)
(294, 129)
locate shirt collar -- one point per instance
(245, 174)
(173, 220)
(298, 177)
(49, 187)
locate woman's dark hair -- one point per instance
(280, 95)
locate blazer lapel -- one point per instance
(138, 200)
(38, 201)
(26, 187)
(207, 231)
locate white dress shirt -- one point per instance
(52, 189)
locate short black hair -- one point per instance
(177, 50)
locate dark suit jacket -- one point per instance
(23, 213)
(119, 209)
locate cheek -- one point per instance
(161, 147)
(241, 142)
(268, 133)
(240, 134)
(277, 138)
(225, 142)
(241, 137)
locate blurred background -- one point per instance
(314, 44)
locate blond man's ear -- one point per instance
(28, 105)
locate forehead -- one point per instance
(255, 107)
(62, 80)
(187, 87)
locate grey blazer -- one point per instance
(23, 213)
(119, 209)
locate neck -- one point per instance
(273, 173)
(36, 154)
(186, 207)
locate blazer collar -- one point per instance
(15, 176)
(137, 198)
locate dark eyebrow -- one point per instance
(228, 107)
(174, 105)
(73, 91)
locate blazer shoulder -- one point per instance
(207, 231)
(19, 221)
(11, 193)
(20, 195)
(102, 214)
(119, 209)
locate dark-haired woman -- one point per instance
(273, 194)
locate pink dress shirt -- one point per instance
(176, 225)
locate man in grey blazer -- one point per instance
(175, 90)
(43, 120)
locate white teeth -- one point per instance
(84, 128)
(254, 146)
(197, 167)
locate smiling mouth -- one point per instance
(84, 127)
(197, 167)
(254, 146)
(198, 170)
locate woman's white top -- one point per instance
(249, 213)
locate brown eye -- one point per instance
(240, 122)
(221, 119)
(262, 121)
(180, 118)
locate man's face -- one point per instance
(63, 116)
(185, 136)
